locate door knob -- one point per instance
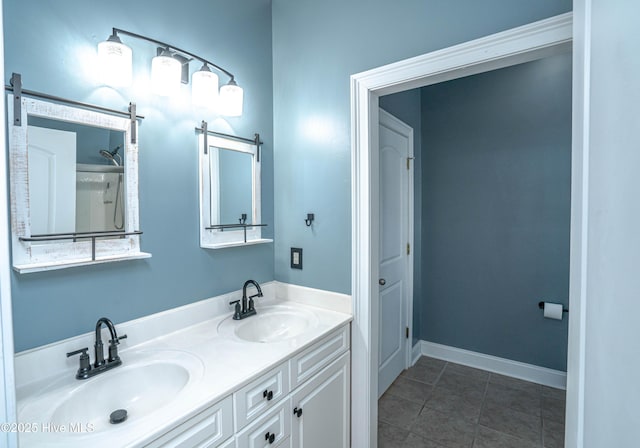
(382, 282)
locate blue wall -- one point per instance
(407, 106)
(317, 45)
(496, 211)
(53, 45)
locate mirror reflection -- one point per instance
(76, 177)
(232, 200)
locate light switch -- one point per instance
(296, 258)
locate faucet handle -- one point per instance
(85, 364)
(82, 351)
(113, 349)
(117, 340)
(237, 314)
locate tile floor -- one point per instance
(438, 404)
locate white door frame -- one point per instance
(7, 383)
(515, 46)
(408, 299)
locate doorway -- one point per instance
(504, 49)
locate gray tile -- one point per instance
(552, 434)
(461, 384)
(558, 394)
(410, 389)
(425, 361)
(415, 441)
(553, 409)
(515, 383)
(510, 421)
(467, 371)
(424, 373)
(518, 399)
(489, 438)
(390, 436)
(465, 407)
(397, 411)
(444, 429)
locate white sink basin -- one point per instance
(140, 387)
(273, 323)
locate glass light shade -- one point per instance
(204, 88)
(115, 64)
(231, 98)
(165, 75)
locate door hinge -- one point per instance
(406, 332)
(409, 159)
(408, 249)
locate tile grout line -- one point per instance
(484, 398)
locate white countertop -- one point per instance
(220, 365)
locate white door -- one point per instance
(52, 180)
(396, 208)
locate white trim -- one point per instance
(416, 352)
(574, 425)
(8, 410)
(54, 265)
(515, 369)
(510, 47)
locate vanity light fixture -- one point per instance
(204, 87)
(169, 68)
(115, 62)
(166, 74)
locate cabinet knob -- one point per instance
(382, 282)
(268, 394)
(297, 412)
(270, 437)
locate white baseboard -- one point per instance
(502, 366)
(416, 352)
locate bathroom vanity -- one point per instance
(280, 378)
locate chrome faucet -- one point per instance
(100, 365)
(245, 306)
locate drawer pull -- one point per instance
(270, 437)
(297, 412)
(268, 394)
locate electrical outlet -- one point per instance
(296, 258)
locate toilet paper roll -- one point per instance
(553, 310)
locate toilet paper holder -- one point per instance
(541, 306)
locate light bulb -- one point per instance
(165, 74)
(115, 62)
(231, 98)
(204, 88)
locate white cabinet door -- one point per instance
(324, 405)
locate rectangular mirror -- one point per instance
(73, 181)
(229, 193)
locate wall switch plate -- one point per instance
(296, 258)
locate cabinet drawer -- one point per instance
(231, 443)
(277, 422)
(257, 397)
(320, 354)
(210, 427)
